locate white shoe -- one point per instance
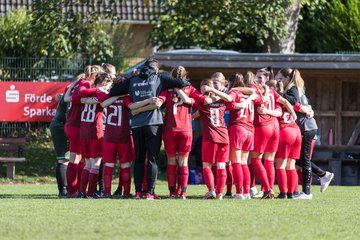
(219, 196)
(325, 181)
(304, 196)
(238, 196)
(210, 195)
(258, 195)
(246, 197)
(253, 191)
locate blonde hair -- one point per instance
(90, 69)
(218, 76)
(108, 68)
(179, 72)
(295, 79)
(249, 79)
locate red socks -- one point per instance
(261, 173)
(282, 180)
(220, 180)
(246, 177)
(171, 177)
(126, 180)
(84, 179)
(238, 177)
(93, 179)
(229, 178)
(252, 175)
(270, 172)
(71, 178)
(184, 177)
(80, 167)
(292, 179)
(208, 178)
(107, 179)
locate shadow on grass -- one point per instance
(28, 196)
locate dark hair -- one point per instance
(102, 77)
(179, 72)
(108, 68)
(153, 64)
(119, 78)
(236, 80)
(268, 72)
(206, 81)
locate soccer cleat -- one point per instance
(253, 191)
(290, 196)
(93, 196)
(228, 194)
(258, 195)
(138, 196)
(150, 196)
(100, 194)
(238, 196)
(219, 196)
(172, 195)
(282, 196)
(117, 194)
(182, 196)
(304, 196)
(268, 195)
(63, 193)
(325, 181)
(246, 197)
(210, 195)
(81, 195)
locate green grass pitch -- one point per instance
(29, 211)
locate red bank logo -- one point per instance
(12, 95)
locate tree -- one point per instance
(330, 26)
(226, 24)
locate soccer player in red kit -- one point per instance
(118, 142)
(72, 128)
(288, 152)
(241, 135)
(91, 131)
(177, 131)
(266, 138)
(215, 143)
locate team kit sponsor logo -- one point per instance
(29, 101)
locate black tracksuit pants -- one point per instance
(147, 142)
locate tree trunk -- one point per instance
(287, 44)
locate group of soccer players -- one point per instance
(268, 121)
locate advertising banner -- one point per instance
(29, 101)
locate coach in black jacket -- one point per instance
(146, 126)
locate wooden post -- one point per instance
(10, 171)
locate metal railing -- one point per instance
(54, 69)
(47, 69)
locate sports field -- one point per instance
(34, 212)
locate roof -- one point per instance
(133, 11)
(215, 59)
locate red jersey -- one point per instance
(177, 114)
(91, 114)
(244, 116)
(265, 119)
(286, 120)
(74, 109)
(117, 127)
(212, 117)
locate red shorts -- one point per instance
(73, 134)
(241, 138)
(177, 142)
(91, 148)
(289, 143)
(215, 152)
(266, 138)
(125, 151)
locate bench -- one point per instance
(335, 156)
(11, 151)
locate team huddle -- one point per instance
(269, 134)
